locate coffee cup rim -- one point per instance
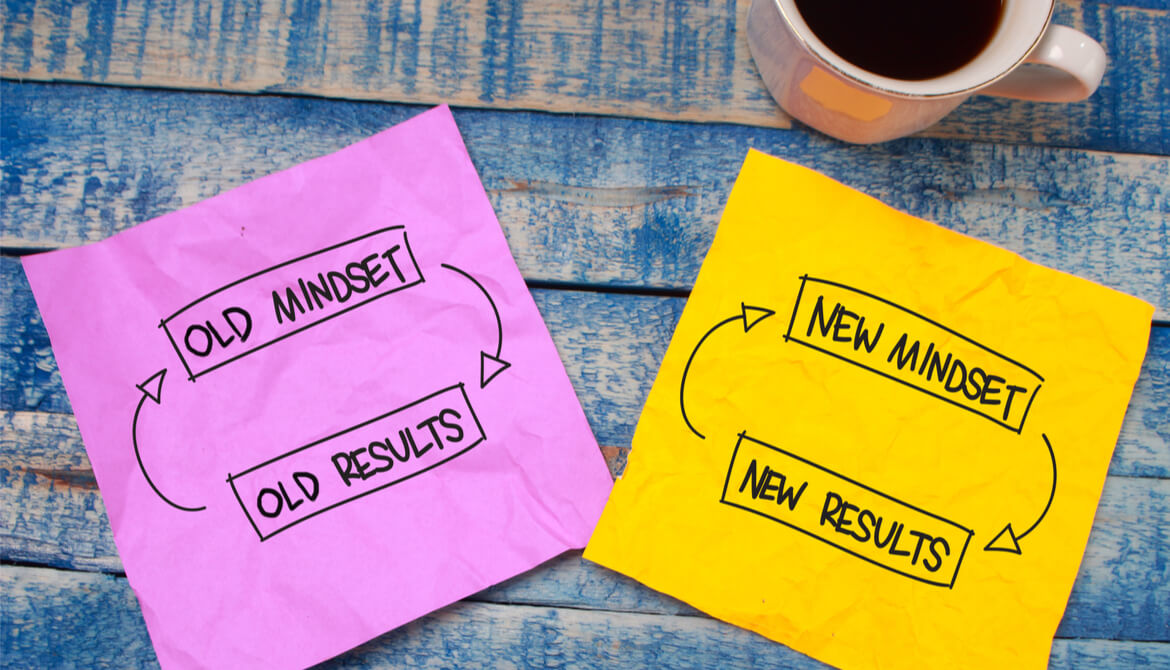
(904, 88)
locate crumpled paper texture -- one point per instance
(277, 507)
(875, 440)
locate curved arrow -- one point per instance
(1007, 540)
(749, 316)
(489, 365)
(152, 388)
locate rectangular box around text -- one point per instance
(779, 485)
(355, 462)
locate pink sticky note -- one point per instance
(320, 405)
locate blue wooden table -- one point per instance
(608, 135)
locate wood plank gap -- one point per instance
(422, 105)
(236, 93)
(692, 614)
(651, 291)
(17, 252)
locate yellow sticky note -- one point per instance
(875, 440)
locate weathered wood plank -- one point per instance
(47, 606)
(1103, 603)
(584, 199)
(56, 517)
(611, 344)
(51, 487)
(52, 514)
(50, 619)
(675, 60)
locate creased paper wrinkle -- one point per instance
(320, 405)
(867, 474)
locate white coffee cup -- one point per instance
(827, 92)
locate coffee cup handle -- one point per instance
(1074, 64)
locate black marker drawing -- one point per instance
(838, 332)
(489, 365)
(271, 305)
(152, 388)
(848, 324)
(268, 306)
(820, 507)
(1007, 540)
(371, 456)
(749, 316)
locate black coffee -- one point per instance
(904, 39)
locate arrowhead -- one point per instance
(152, 387)
(1005, 541)
(489, 367)
(753, 315)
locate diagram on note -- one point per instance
(321, 404)
(871, 438)
(258, 312)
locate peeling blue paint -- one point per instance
(449, 63)
(490, 50)
(199, 34)
(591, 87)
(61, 12)
(412, 48)
(98, 41)
(18, 34)
(143, 33)
(302, 57)
(368, 63)
(227, 33)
